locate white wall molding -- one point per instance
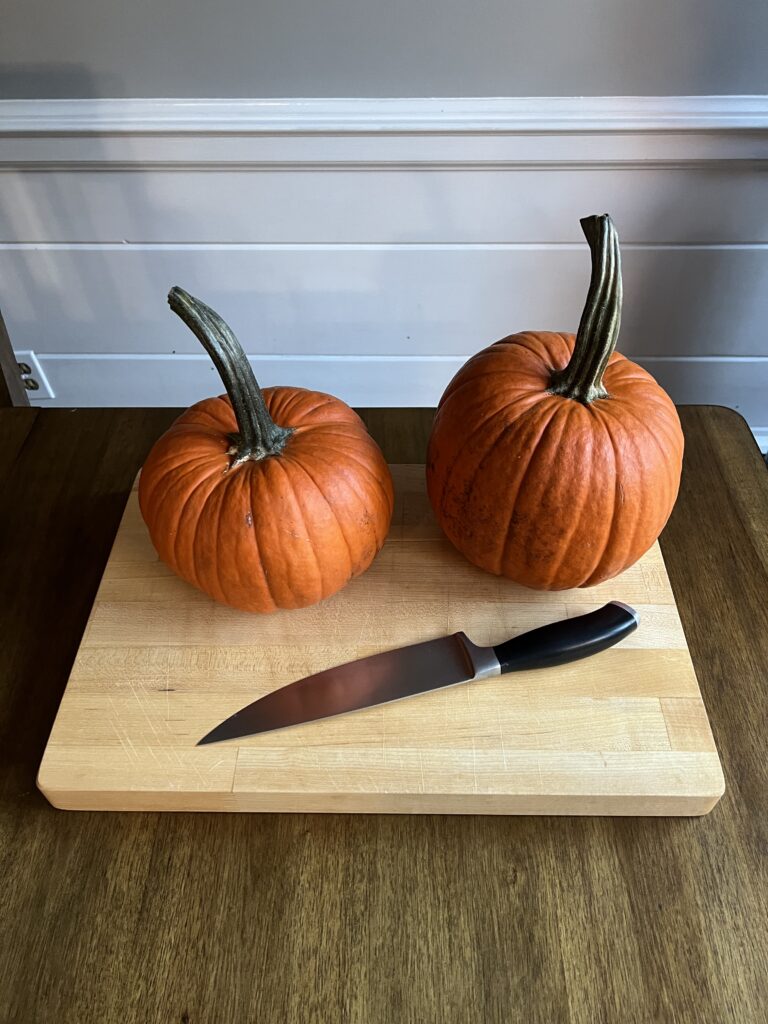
(447, 114)
(330, 134)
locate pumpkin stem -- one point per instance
(582, 379)
(258, 435)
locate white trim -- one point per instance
(362, 116)
(485, 133)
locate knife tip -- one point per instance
(208, 738)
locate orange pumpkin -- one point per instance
(263, 500)
(554, 460)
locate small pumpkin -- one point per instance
(553, 460)
(263, 500)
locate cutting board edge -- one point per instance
(696, 805)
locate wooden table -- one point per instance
(259, 918)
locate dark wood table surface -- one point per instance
(218, 919)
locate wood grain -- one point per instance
(365, 919)
(592, 739)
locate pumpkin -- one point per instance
(553, 460)
(263, 500)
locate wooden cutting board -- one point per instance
(160, 664)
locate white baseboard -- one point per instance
(181, 380)
(368, 246)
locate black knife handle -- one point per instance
(568, 640)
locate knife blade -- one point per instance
(419, 668)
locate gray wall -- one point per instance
(259, 48)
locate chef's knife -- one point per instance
(419, 668)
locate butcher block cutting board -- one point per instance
(160, 664)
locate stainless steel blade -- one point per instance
(380, 679)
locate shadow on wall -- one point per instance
(714, 283)
(41, 81)
(38, 288)
(711, 294)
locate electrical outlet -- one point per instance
(35, 381)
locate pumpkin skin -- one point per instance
(281, 530)
(551, 491)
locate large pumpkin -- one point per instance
(264, 500)
(554, 460)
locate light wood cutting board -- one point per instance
(160, 664)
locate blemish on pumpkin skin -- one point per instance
(248, 519)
